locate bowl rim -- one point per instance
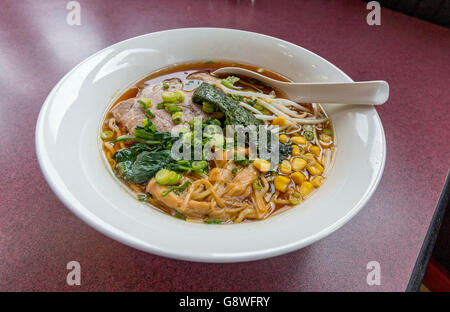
(117, 234)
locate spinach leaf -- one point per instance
(147, 164)
(131, 153)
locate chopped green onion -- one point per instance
(148, 125)
(167, 177)
(200, 164)
(172, 108)
(120, 169)
(235, 170)
(174, 178)
(259, 107)
(176, 117)
(180, 96)
(295, 198)
(213, 221)
(170, 97)
(162, 177)
(208, 107)
(176, 189)
(107, 135)
(160, 105)
(328, 132)
(123, 139)
(308, 128)
(145, 102)
(165, 85)
(309, 135)
(256, 185)
(229, 81)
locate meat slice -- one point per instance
(130, 114)
(206, 77)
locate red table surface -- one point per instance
(39, 236)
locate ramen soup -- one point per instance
(167, 107)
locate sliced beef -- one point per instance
(129, 114)
(204, 76)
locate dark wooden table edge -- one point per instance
(430, 239)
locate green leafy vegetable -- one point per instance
(213, 221)
(147, 164)
(143, 198)
(176, 189)
(179, 215)
(251, 102)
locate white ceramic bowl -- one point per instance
(68, 149)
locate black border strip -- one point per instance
(430, 239)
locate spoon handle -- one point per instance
(367, 92)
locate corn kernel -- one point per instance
(295, 150)
(261, 164)
(279, 121)
(317, 181)
(298, 177)
(284, 138)
(309, 157)
(281, 183)
(299, 140)
(306, 188)
(315, 150)
(298, 164)
(285, 167)
(315, 169)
